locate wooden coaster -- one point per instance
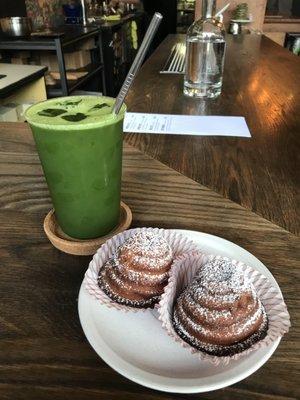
(79, 247)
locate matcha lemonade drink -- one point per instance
(79, 141)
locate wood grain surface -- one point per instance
(261, 83)
(43, 352)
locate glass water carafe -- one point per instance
(205, 50)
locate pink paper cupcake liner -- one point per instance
(182, 273)
(178, 243)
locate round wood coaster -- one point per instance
(79, 247)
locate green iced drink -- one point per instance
(79, 142)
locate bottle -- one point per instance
(205, 51)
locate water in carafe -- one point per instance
(205, 53)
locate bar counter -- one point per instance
(261, 84)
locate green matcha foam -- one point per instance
(73, 111)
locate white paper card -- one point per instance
(186, 125)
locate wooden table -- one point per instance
(261, 83)
(43, 352)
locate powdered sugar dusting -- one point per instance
(217, 350)
(137, 272)
(219, 308)
(276, 320)
(222, 275)
(178, 243)
(148, 249)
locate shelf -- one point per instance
(92, 69)
(69, 35)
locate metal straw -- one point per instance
(154, 24)
(221, 11)
(84, 19)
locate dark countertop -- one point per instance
(261, 83)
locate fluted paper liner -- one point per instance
(182, 273)
(179, 244)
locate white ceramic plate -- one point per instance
(136, 346)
